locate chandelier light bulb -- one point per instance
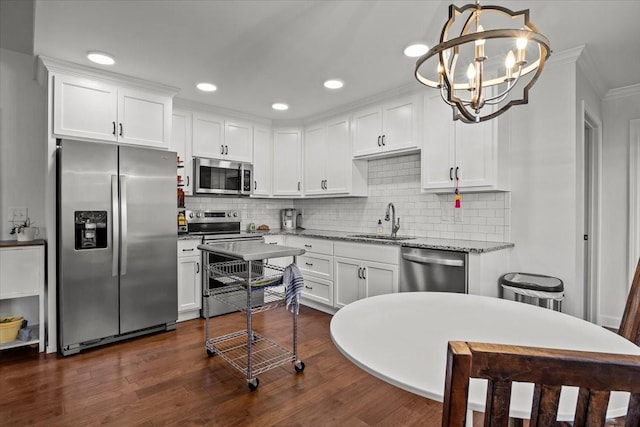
(480, 46)
(509, 62)
(521, 43)
(471, 75)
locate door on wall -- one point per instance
(591, 201)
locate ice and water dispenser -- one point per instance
(90, 229)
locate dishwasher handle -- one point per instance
(432, 260)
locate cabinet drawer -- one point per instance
(21, 271)
(317, 265)
(318, 246)
(377, 253)
(318, 290)
(188, 248)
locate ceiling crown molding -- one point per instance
(621, 92)
(588, 67)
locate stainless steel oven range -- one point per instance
(216, 227)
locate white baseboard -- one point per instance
(609, 321)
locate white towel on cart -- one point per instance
(293, 282)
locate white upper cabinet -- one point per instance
(238, 141)
(475, 154)
(262, 161)
(217, 138)
(208, 136)
(328, 165)
(387, 129)
(287, 162)
(89, 108)
(181, 144)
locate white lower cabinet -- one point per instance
(22, 290)
(189, 280)
(362, 270)
(316, 266)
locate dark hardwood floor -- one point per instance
(168, 379)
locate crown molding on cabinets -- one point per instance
(214, 109)
(52, 65)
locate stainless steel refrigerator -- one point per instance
(117, 251)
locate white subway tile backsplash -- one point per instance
(486, 216)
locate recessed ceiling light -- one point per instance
(207, 87)
(416, 50)
(280, 106)
(333, 84)
(101, 58)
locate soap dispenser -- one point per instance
(379, 229)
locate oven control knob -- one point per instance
(190, 214)
(229, 214)
(235, 214)
(198, 214)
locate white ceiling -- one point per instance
(260, 52)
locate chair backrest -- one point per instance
(630, 324)
(548, 369)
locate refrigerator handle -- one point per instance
(123, 220)
(115, 225)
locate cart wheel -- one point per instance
(299, 366)
(253, 383)
(211, 352)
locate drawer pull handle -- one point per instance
(273, 243)
(197, 267)
(308, 287)
(309, 264)
(308, 246)
(188, 250)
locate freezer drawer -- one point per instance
(432, 270)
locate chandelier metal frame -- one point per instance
(469, 110)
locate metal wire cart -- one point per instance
(243, 277)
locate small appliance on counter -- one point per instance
(288, 219)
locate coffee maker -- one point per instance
(288, 219)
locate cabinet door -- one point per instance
(21, 272)
(84, 108)
(347, 281)
(208, 137)
(338, 163)
(476, 153)
(438, 148)
(181, 144)
(189, 276)
(367, 132)
(380, 278)
(238, 141)
(287, 159)
(261, 161)
(314, 160)
(399, 120)
(144, 118)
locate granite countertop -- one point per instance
(471, 246)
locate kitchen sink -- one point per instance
(381, 237)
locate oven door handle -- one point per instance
(432, 260)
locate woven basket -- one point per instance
(9, 330)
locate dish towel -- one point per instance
(293, 282)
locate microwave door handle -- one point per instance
(123, 220)
(115, 225)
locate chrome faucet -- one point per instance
(395, 226)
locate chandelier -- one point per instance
(494, 61)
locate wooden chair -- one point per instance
(548, 369)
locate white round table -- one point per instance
(402, 339)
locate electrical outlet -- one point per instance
(18, 214)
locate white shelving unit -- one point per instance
(22, 288)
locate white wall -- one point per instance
(618, 108)
(543, 179)
(22, 139)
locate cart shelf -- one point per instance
(265, 353)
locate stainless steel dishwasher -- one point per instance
(433, 270)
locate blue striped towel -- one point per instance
(293, 282)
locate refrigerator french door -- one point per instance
(117, 252)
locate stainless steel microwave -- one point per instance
(222, 177)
